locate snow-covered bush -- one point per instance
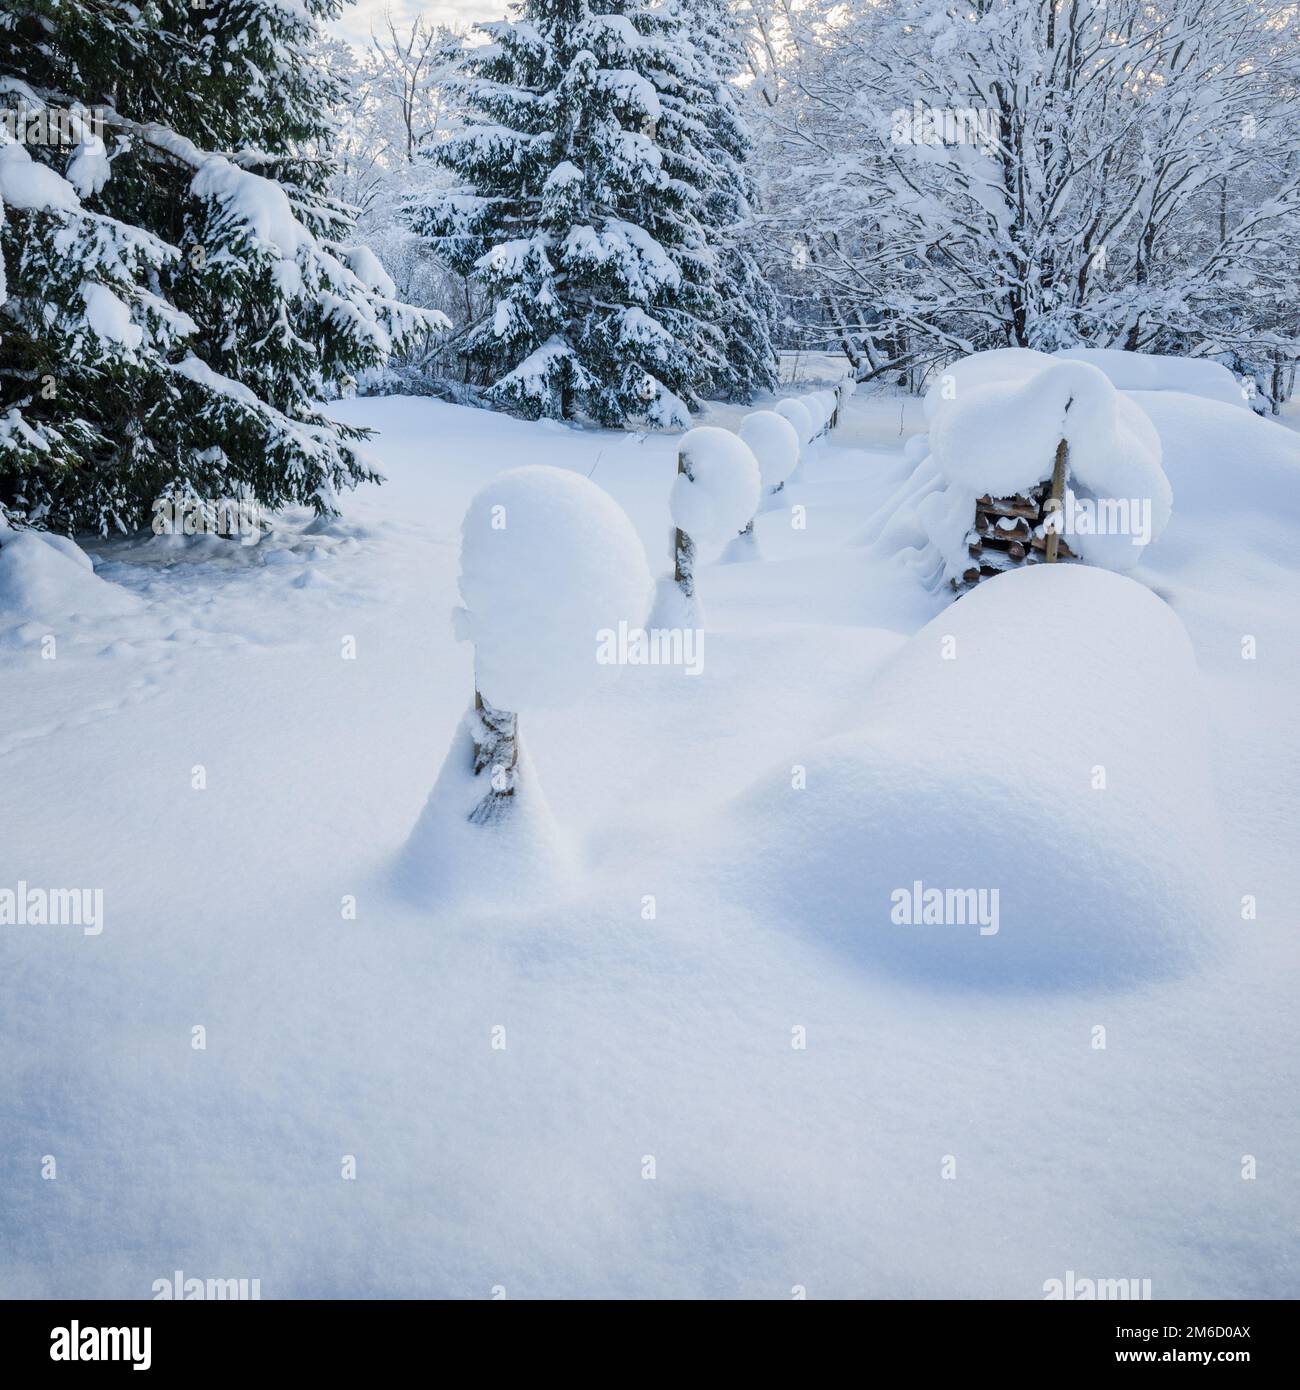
(49, 580)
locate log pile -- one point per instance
(1008, 532)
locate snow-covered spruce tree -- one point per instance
(180, 290)
(580, 212)
(749, 302)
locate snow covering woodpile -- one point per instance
(1040, 745)
(977, 501)
(1150, 371)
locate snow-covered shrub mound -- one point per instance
(718, 493)
(1149, 371)
(49, 579)
(799, 416)
(774, 442)
(995, 420)
(1037, 755)
(548, 560)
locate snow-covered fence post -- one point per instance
(773, 441)
(496, 746)
(714, 494)
(1057, 499)
(551, 572)
(683, 545)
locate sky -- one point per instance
(357, 20)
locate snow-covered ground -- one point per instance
(950, 1129)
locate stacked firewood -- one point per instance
(1008, 532)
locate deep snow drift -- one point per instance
(696, 993)
(1042, 743)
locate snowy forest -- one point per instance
(647, 649)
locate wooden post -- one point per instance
(684, 548)
(496, 751)
(1057, 500)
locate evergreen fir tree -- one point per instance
(580, 212)
(748, 301)
(179, 287)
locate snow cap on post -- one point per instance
(718, 492)
(774, 442)
(799, 416)
(548, 559)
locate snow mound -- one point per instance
(799, 416)
(718, 493)
(1223, 461)
(507, 864)
(1149, 371)
(979, 369)
(774, 442)
(1042, 740)
(49, 579)
(548, 560)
